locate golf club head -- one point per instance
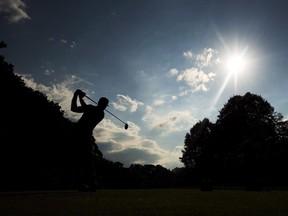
(126, 126)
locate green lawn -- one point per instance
(145, 202)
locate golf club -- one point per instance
(126, 125)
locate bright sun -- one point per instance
(236, 64)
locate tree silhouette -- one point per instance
(240, 148)
(34, 133)
(195, 143)
(248, 127)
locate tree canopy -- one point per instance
(243, 145)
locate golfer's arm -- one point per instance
(82, 102)
(74, 107)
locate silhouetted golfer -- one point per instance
(86, 146)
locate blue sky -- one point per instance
(162, 63)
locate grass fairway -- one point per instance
(145, 202)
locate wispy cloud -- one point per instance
(16, 10)
(170, 122)
(48, 72)
(158, 102)
(71, 44)
(206, 58)
(164, 99)
(63, 41)
(188, 54)
(124, 102)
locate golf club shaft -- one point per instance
(106, 110)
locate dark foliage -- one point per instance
(34, 134)
(246, 146)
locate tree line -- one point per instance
(246, 146)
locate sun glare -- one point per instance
(235, 64)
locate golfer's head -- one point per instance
(103, 102)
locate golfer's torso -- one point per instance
(91, 117)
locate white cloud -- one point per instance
(188, 54)
(119, 107)
(128, 146)
(205, 59)
(184, 92)
(195, 76)
(15, 10)
(173, 72)
(176, 153)
(201, 87)
(126, 103)
(170, 122)
(158, 102)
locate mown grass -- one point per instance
(145, 202)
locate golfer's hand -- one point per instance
(80, 93)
